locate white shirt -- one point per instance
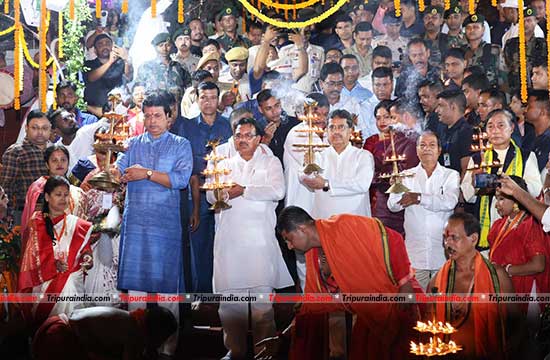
(246, 251)
(425, 222)
(82, 145)
(298, 194)
(349, 175)
(531, 175)
(365, 111)
(513, 32)
(316, 56)
(228, 149)
(545, 221)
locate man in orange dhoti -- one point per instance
(482, 327)
(362, 256)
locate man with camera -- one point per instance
(109, 70)
(479, 186)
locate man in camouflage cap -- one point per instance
(230, 39)
(535, 48)
(163, 73)
(453, 19)
(478, 52)
(182, 40)
(437, 42)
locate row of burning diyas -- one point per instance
(214, 157)
(312, 129)
(395, 157)
(217, 185)
(402, 174)
(219, 171)
(434, 327)
(481, 147)
(480, 136)
(435, 348)
(484, 165)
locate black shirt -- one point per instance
(456, 142)
(279, 137)
(541, 148)
(96, 92)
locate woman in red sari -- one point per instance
(518, 243)
(57, 253)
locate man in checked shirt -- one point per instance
(24, 163)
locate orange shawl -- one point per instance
(489, 318)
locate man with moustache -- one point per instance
(437, 41)
(23, 163)
(109, 70)
(484, 328)
(247, 259)
(427, 93)
(182, 40)
(419, 70)
(197, 36)
(66, 98)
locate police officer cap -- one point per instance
(391, 19)
(226, 11)
(184, 31)
(475, 18)
(236, 54)
(434, 10)
(529, 11)
(160, 38)
(453, 10)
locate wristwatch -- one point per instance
(326, 186)
(149, 174)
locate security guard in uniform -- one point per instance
(478, 52)
(230, 38)
(453, 18)
(535, 48)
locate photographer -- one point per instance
(109, 70)
(479, 186)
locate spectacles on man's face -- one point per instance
(247, 136)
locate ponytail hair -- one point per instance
(52, 183)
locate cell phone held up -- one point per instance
(486, 184)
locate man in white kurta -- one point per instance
(343, 185)
(247, 257)
(433, 195)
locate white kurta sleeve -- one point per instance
(291, 154)
(358, 184)
(445, 197)
(546, 220)
(531, 175)
(272, 187)
(468, 190)
(393, 200)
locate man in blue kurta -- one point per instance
(209, 125)
(156, 166)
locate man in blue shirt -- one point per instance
(66, 97)
(209, 125)
(156, 166)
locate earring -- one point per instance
(515, 207)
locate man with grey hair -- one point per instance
(433, 195)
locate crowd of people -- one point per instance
(438, 90)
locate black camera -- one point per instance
(486, 183)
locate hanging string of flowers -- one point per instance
(548, 39)
(447, 4)
(397, 5)
(243, 25)
(181, 15)
(59, 35)
(43, 78)
(54, 78)
(6, 6)
(153, 8)
(98, 9)
(124, 7)
(71, 9)
(522, 53)
(471, 7)
(17, 56)
(7, 31)
(421, 5)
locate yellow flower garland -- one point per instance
(522, 54)
(181, 16)
(54, 79)
(71, 9)
(153, 8)
(7, 31)
(281, 6)
(292, 24)
(397, 5)
(447, 4)
(60, 35)
(42, 31)
(124, 7)
(548, 39)
(98, 9)
(421, 5)
(17, 58)
(471, 7)
(6, 6)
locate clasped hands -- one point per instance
(132, 173)
(409, 198)
(314, 183)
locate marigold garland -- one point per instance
(153, 8)
(28, 57)
(282, 6)
(286, 11)
(54, 79)
(98, 9)
(71, 9)
(181, 16)
(42, 31)
(471, 7)
(17, 58)
(6, 6)
(397, 5)
(60, 35)
(124, 7)
(292, 24)
(522, 54)
(421, 5)
(7, 31)
(294, 10)
(494, 3)
(243, 25)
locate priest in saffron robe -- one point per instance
(363, 257)
(484, 328)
